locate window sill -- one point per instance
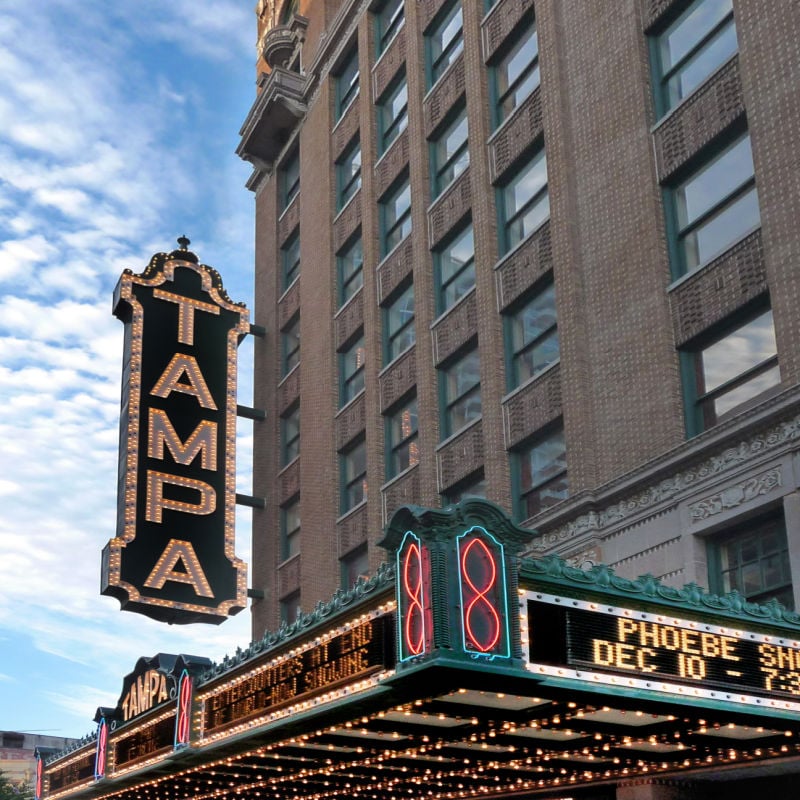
(289, 560)
(351, 511)
(463, 429)
(400, 475)
(533, 379)
(451, 309)
(286, 467)
(288, 374)
(350, 402)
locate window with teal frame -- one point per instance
(290, 260)
(731, 371)
(350, 269)
(290, 607)
(398, 324)
(289, 180)
(389, 19)
(354, 565)
(290, 529)
(290, 435)
(348, 174)
(444, 41)
(461, 392)
(346, 84)
(523, 203)
(472, 486)
(752, 559)
(454, 269)
(290, 346)
(353, 476)
(714, 207)
(392, 113)
(402, 429)
(395, 216)
(532, 335)
(351, 370)
(450, 152)
(515, 74)
(690, 49)
(540, 473)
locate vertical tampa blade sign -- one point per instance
(173, 555)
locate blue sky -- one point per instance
(118, 125)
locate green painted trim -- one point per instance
(693, 419)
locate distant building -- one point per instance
(17, 759)
(543, 252)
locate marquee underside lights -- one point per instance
(173, 554)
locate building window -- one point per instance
(523, 202)
(516, 74)
(290, 346)
(348, 174)
(353, 471)
(346, 84)
(353, 566)
(542, 473)
(392, 113)
(289, 10)
(401, 438)
(691, 48)
(472, 486)
(351, 370)
(752, 559)
(733, 371)
(290, 435)
(532, 336)
(290, 530)
(290, 608)
(398, 324)
(462, 392)
(454, 268)
(290, 180)
(395, 217)
(290, 260)
(445, 41)
(388, 21)
(350, 268)
(450, 153)
(716, 206)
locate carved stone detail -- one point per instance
(718, 289)
(460, 457)
(403, 491)
(504, 17)
(350, 422)
(398, 379)
(454, 204)
(289, 482)
(733, 496)
(455, 329)
(523, 128)
(394, 269)
(349, 319)
(392, 163)
(352, 530)
(444, 96)
(701, 118)
(531, 408)
(516, 273)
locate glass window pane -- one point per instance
(446, 42)
(517, 74)
(351, 272)
(690, 28)
(451, 154)
(525, 201)
(456, 269)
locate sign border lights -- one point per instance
(177, 475)
(413, 598)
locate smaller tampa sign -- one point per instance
(173, 558)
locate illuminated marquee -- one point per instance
(636, 649)
(173, 556)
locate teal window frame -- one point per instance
(354, 565)
(290, 346)
(348, 174)
(449, 151)
(346, 87)
(523, 201)
(711, 29)
(389, 19)
(290, 435)
(531, 334)
(392, 113)
(402, 433)
(290, 259)
(290, 529)
(752, 559)
(454, 270)
(539, 466)
(398, 323)
(515, 72)
(290, 180)
(394, 211)
(350, 269)
(444, 41)
(351, 370)
(460, 387)
(353, 476)
(730, 173)
(729, 343)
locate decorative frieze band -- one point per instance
(733, 496)
(521, 131)
(532, 407)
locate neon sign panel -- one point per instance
(413, 598)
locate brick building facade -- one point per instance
(543, 252)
